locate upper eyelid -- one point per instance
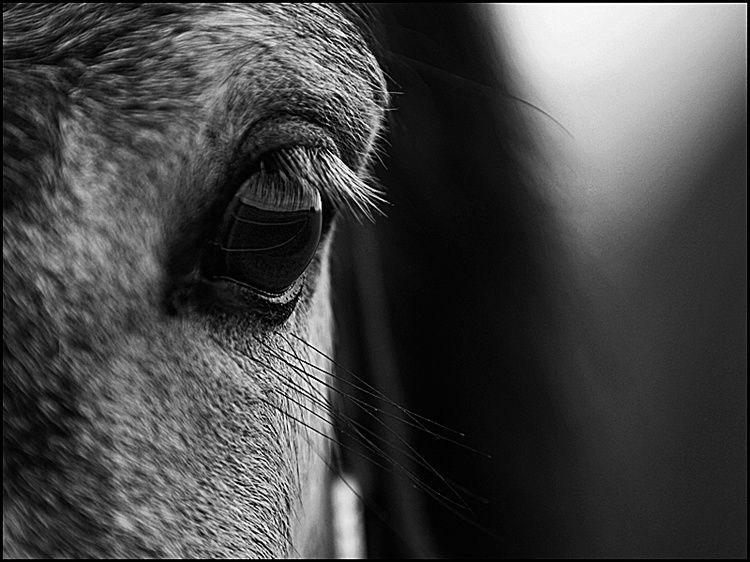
(305, 151)
(324, 170)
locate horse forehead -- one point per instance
(129, 71)
(190, 42)
(48, 33)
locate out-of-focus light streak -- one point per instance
(643, 89)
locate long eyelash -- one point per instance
(276, 192)
(300, 168)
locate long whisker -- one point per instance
(366, 405)
(437, 496)
(482, 89)
(358, 428)
(336, 468)
(411, 454)
(373, 391)
(444, 501)
(379, 395)
(371, 506)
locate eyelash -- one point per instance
(296, 177)
(321, 167)
(270, 231)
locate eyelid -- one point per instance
(321, 168)
(275, 192)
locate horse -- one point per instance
(181, 191)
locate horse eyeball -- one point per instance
(269, 233)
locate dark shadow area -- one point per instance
(612, 400)
(460, 321)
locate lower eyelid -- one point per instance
(230, 297)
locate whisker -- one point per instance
(363, 405)
(449, 504)
(373, 391)
(360, 403)
(378, 394)
(482, 89)
(416, 483)
(357, 427)
(336, 468)
(415, 480)
(442, 500)
(411, 454)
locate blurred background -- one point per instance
(562, 276)
(651, 179)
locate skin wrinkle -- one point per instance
(127, 431)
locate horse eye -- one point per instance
(269, 233)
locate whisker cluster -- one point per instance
(308, 404)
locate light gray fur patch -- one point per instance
(129, 431)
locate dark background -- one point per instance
(610, 391)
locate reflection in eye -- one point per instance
(271, 229)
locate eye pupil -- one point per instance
(268, 235)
